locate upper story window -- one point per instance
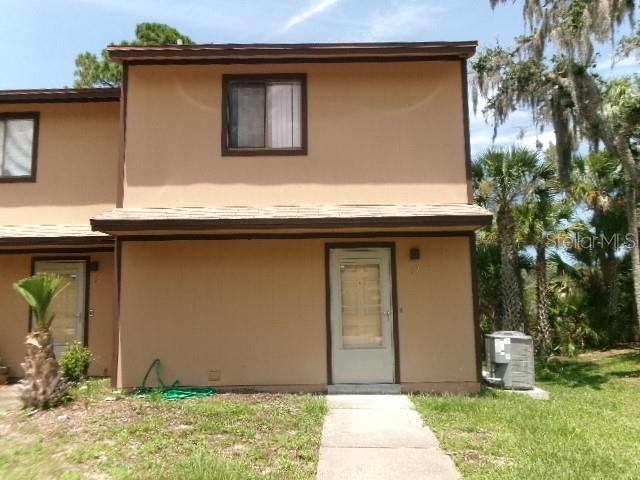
(264, 115)
(18, 134)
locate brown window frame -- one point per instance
(264, 77)
(35, 116)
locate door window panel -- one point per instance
(361, 305)
(65, 306)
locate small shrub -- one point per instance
(75, 362)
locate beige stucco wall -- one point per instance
(77, 165)
(249, 309)
(14, 311)
(255, 311)
(378, 133)
(435, 303)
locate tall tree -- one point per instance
(541, 220)
(92, 71)
(504, 179)
(598, 189)
(564, 90)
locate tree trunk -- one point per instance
(512, 309)
(543, 327)
(42, 385)
(609, 266)
(587, 97)
(635, 253)
(629, 164)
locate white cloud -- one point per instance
(610, 63)
(308, 13)
(517, 130)
(511, 133)
(624, 66)
(400, 20)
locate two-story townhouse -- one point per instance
(294, 217)
(58, 151)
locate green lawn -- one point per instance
(590, 429)
(102, 435)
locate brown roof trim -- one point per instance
(120, 53)
(119, 225)
(72, 240)
(172, 237)
(60, 95)
(91, 249)
(293, 60)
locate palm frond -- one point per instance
(39, 291)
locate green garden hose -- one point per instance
(172, 392)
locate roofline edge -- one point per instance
(60, 95)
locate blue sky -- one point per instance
(42, 37)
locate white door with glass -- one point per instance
(361, 315)
(69, 306)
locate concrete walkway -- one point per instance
(9, 398)
(379, 437)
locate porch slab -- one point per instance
(379, 437)
(363, 402)
(364, 389)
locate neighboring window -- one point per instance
(264, 115)
(17, 146)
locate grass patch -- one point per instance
(103, 435)
(589, 429)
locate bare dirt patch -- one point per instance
(475, 457)
(600, 354)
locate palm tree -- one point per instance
(551, 73)
(541, 220)
(621, 106)
(598, 186)
(504, 178)
(42, 384)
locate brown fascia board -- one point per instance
(118, 225)
(60, 95)
(75, 240)
(122, 53)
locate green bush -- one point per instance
(75, 362)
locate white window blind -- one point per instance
(265, 114)
(283, 115)
(16, 147)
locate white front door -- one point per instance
(361, 315)
(69, 306)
